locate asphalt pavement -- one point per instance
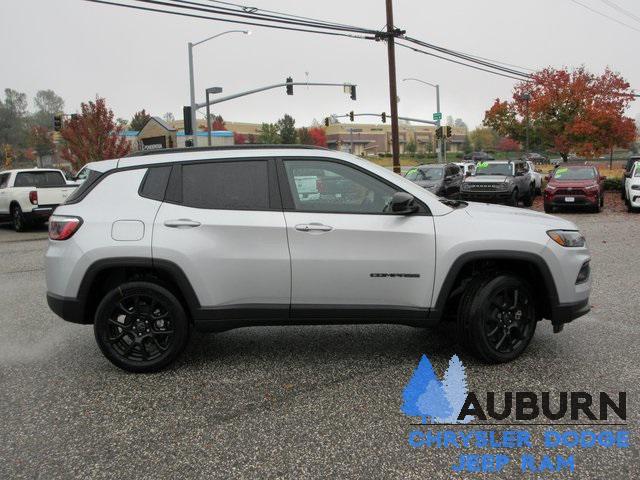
(290, 402)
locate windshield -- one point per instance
(564, 173)
(486, 168)
(637, 174)
(433, 173)
(40, 179)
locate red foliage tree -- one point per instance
(318, 136)
(569, 112)
(92, 135)
(507, 144)
(239, 138)
(217, 123)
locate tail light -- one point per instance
(33, 197)
(62, 228)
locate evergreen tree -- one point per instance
(433, 403)
(416, 386)
(287, 127)
(455, 389)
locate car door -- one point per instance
(348, 253)
(222, 224)
(4, 193)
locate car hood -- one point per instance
(514, 215)
(487, 179)
(430, 183)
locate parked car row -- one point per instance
(512, 181)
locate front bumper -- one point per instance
(69, 309)
(562, 313)
(578, 200)
(486, 197)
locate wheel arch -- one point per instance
(528, 265)
(105, 274)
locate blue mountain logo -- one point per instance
(427, 397)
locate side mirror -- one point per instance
(603, 178)
(468, 174)
(547, 177)
(403, 203)
(627, 174)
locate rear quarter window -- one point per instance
(155, 182)
(79, 193)
(40, 179)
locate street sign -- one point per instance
(437, 116)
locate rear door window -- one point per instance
(4, 180)
(233, 185)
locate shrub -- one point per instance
(613, 184)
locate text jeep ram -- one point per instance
(151, 246)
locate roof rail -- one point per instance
(161, 151)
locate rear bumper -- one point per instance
(69, 309)
(40, 212)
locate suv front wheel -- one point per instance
(496, 316)
(141, 327)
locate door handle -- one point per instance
(313, 227)
(181, 223)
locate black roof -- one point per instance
(252, 146)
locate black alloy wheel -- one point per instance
(141, 327)
(496, 316)
(19, 222)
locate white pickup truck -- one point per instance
(29, 196)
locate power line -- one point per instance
(460, 63)
(225, 20)
(605, 15)
(466, 57)
(623, 11)
(195, 6)
(300, 17)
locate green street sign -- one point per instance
(437, 116)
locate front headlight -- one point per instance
(551, 188)
(503, 186)
(635, 187)
(465, 186)
(567, 238)
(591, 187)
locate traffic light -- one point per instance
(384, 117)
(326, 121)
(448, 127)
(353, 92)
(438, 133)
(289, 86)
(351, 115)
(57, 122)
(186, 115)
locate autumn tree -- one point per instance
(92, 135)
(506, 144)
(217, 123)
(139, 120)
(319, 136)
(568, 112)
(483, 138)
(239, 138)
(287, 128)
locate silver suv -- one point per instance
(152, 246)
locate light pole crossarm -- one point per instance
(408, 119)
(271, 87)
(246, 32)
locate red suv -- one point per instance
(574, 186)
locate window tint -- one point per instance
(155, 183)
(40, 179)
(238, 185)
(4, 180)
(322, 186)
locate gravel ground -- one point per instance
(288, 402)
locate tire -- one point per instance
(20, 223)
(548, 208)
(602, 200)
(513, 201)
(528, 199)
(622, 194)
(135, 338)
(494, 321)
(596, 208)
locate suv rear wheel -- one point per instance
(141, 327)
(19, 222)
(496, 316)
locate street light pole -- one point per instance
(438, 121)
(192, 91)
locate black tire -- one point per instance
(513, 200)
(602, 200)
(20, 223)
(548, 208)
(496, 316)
(528, 199)
(596, 207)
(622, 193)
(141, 327)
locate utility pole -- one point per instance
(439, 121)
(393, 91)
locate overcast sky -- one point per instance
(139, 60)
